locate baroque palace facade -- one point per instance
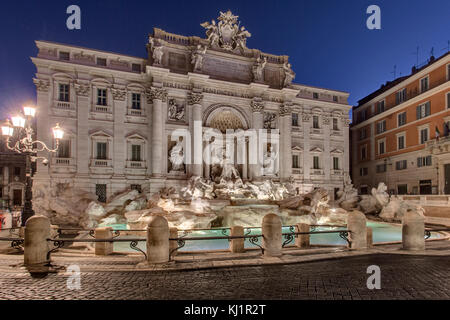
(119, 112)
(400, 133)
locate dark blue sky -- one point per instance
(327, 41)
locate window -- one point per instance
(381, 126)
(135, 152)
(335, 163)
(423, 110)
(400, 96)
(363, 172)
(363, 153)
(424, 84)
(423, 135)
(295, 162)
(401, 165)
(424, 161)
(101, 97)
(17, 171)
(362, 134)
(335, 99)
(402, 189)
(100, 191)
(136, 101)
(381, 147)
(136, 67)
(64, 92)
(363, 115)
(316, 162)
(380, 106)
(401, 142)
(101, 62)
(64, 56)
(401, 119)
(295, 119)
(316, 122)
(381, 168)
(315, 95)
(335, 124)
(64, 149)
(448, 72)
(101, 150)
(448, 99)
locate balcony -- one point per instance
(101, 166)
(316, 131)
(63, 105)
(337, 172)
(136, 116)
(103, 109)
(64, 109)
(63, 165)
(336, 133)
(440, 146)
(317, 172)
(136, 167)
(297, 170)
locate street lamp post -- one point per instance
(25, 145)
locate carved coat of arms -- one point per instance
(226, 34)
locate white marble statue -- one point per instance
(348, 197)
(270, 162)
(177, 156)
(197, 58)
(289, 75)
(258, 69)
(241, 37)
(229, 172)
(157, 53)
(212, 32)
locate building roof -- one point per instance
(390, 84)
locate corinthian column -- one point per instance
(257, 123)
(286, 142)
(195, 100)
(158, 96)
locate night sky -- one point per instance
(327, 41)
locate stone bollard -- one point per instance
(36, 246)
(271, 230)
(237, 245)
(369, 237)
(302, 240)
(103, 248)
(356, 223)
(158, 240)
(173, 233)
(413, 231)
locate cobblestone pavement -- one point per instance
(402, 277)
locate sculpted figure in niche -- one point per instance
(270, 159)
(289, 74)
(157, 53)
(258, 69)
(177, 156)
(197, 58)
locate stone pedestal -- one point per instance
(158, 240)
(271, 230)
(413, 231)
(37, 231)
(173, 233)
(237, 245)
(356, 223)
(302, 240)
(103, 248)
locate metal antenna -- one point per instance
(395, 72)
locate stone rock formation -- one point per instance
(396, 209)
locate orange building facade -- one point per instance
(401, 133)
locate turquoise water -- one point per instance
(382, 232)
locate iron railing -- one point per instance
(16, 243)
(289, 237)
(59, 243)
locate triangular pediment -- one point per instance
(316, 149)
